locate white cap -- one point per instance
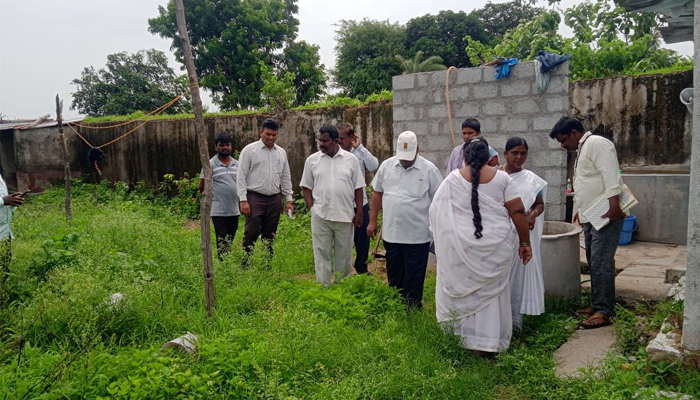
(407, 146)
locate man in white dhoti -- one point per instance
(526, 284)
(475, 243)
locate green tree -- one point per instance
(141, 81)
(499, 18)
(418, 64)
(302, 60)
(278, 93)
(230, 39)
(443, 35)
(528, 38)
(365, 56)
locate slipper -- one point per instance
(596, 320)
(588, 311)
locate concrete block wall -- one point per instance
(505, 107)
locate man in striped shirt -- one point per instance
(224, 206)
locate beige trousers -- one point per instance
(331, 238)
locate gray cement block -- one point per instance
(559, 105)
(469, 75)
(422, 80)
(485, 91)
(493, 108)
(420, 128)
(418, 96)
(526, 106)
(514, 124)
(436, 143)
(400, 82)
(523, 71)
(438, 97)
(557, 84)
(437, 111)
(437, 79)
(489, 74)
(401, 96)
(459, 93)
(406, 113)
(489, 126)
(545, 122)
(561, 70)
(466, 110)
(516, 88)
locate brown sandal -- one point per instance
(596, 320)
(588, 311)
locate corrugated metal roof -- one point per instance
(677, 14)
(22, 124)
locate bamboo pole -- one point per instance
(200, 127)
(66, 159)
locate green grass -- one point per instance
(274, 334)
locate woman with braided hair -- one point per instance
(475, 243)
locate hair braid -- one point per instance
(476, 155)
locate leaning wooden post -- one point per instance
(66, 160)
(201, 129)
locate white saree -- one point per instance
(472, 296)
(527, 284)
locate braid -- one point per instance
(476, 155)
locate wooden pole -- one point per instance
(66, 160)
(201, 129)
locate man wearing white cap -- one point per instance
(404, 187)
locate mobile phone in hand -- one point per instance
(25, 193)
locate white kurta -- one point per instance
(472, 296)
(527, 283)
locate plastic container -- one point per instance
(561, 260)
(629, 226)
(687, 98)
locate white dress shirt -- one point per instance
(367, 161)
(596, 174)
(264, 171)
(406, 199)
(333, 181)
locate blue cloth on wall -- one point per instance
(551, 60)
(503, 67)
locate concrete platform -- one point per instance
(586, 349)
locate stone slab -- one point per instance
(631, 287)
(585, 349)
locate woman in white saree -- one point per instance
(526, 284)
(475, 243)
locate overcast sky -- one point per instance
(45, 44)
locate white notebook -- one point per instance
(600, 207)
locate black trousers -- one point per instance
(225, 230)
(263, 221)
(5, 258)
(362, 242)
(405, 269)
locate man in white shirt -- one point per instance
(263, 178)
(596, 176)
(224, 205)
(9, 202)
(332, 184)
(404, 187)
(349, 141)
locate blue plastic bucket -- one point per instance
(628, 227)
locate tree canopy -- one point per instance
(443, 35)
(366, 55)
(231, 37)
(141, 81)
(499, 18)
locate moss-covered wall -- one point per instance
(170, 146)
(642, 115)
